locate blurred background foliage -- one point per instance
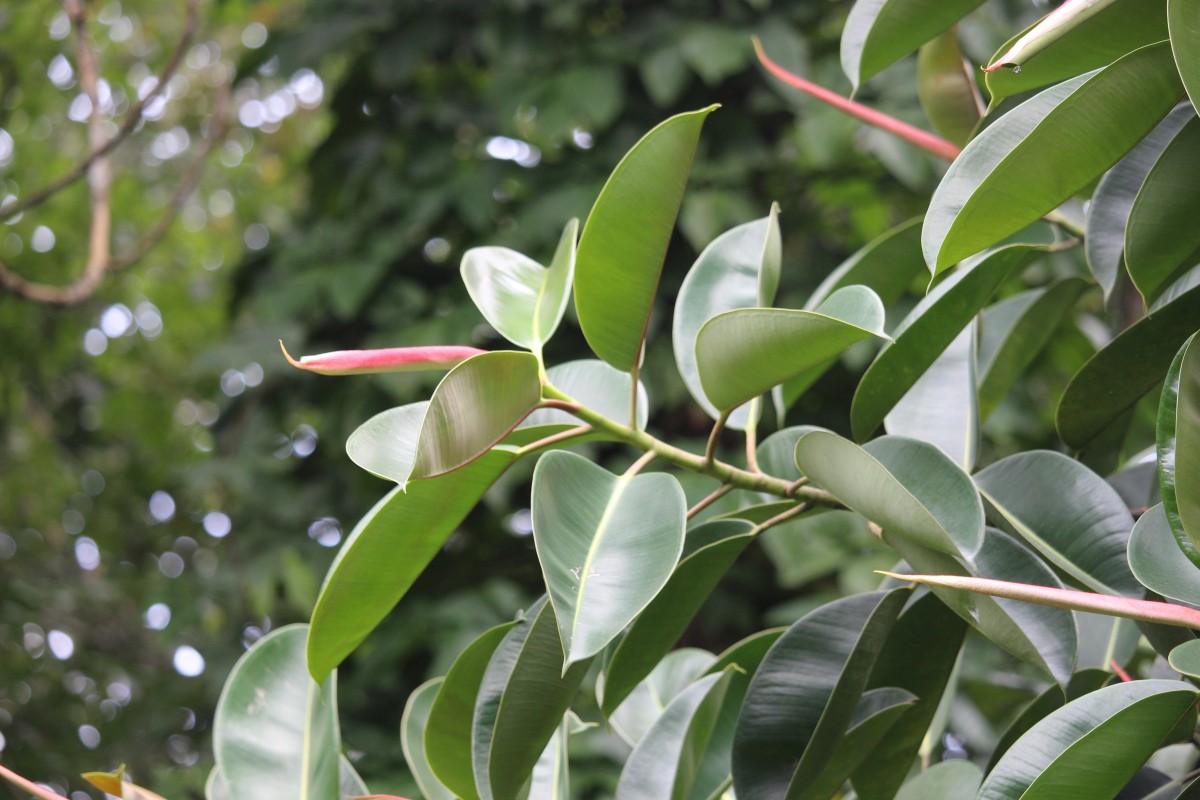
(170, 489)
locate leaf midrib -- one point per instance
(610, 507)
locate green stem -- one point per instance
(710, 451)
(553, 439)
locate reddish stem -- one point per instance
(27, 785)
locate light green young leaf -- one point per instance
(1178, 445)
(413, 727)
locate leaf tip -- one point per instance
(288, 356)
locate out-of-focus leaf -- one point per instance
(1000, 184)
(1183, 22)
(946, 87)
(114, 783)
(677, 669)
(1178, 445)
(1157, 560)
(949, 780)
(625, 239)
(886, 265)
(1185, 658)
(413, 728)
(881, 32)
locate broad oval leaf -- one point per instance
(594, 384)
(1185, 658)
(740, 269)
(522, 300)
(949, 780)
(1067, 513)
(1157, 560)
(741, 354)
(1091, 746)
(607, 545)
(946, 87)
(1000, 183)
(1183, 22)
(677, 670)
(275, 731)
(1178, 445)
(413, 727)
(625, 239)
(905, 486)
(880, 32)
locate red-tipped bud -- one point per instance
(387, 359)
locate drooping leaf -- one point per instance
(386, 552)
(413, 729)
(1157, 560)
(1000, 184)
(664, 620)
(625, 238)
(946, 87)
(275, 731)
(1067, 513)
(742, 354)
(949, 780)
(928, 330)
(881, 32)
(646, 703)
(594, 384)
(740, 269)
(1178, 445)
(522, 300)
(1183, 22)
(1093, 745)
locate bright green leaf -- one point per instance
(1157, 560)
(413, 727)
(1178, 445)
(880, 32)
(946, 87)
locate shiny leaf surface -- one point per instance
(1178, 446)
(880, 32)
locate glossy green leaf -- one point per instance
(1185, 659)
(804, 694)
(740, 269)
(522, 300)
(448, 734)
(665, 619)
(1067, 513)
(1157, 560)
(675, 672)
(275, 731)
(387, 550)
(1108, 212)
(522, 698)
(1097, 41)
(928, 330)
(625, 239)
(1160, 239)
(1049, 701)
(903, 485)
(946, 88)
(665, 761)
(1000, 183)
(386, 444)
(879, 711)
(607, 545)
(594, 384)
(1104, 639)
(1093, 745)
(941, 407)
(949, 780)
(413, 730)
(473, 408)
(742, 354)
(1015, 331)
(880, 32)
(1128, 367)
(1183, 22)
(886, 265)
(1178, 445)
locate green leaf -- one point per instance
(804, 694)
(215, 787)
(1097, 41)
(275, 731)
(1108, 212)
(928, 330)
(880, 32)
(1185, 658)
(1067, 513)
(1183, 22)
(1128, 367)
(551, 778)
(448, 735)
(1178, 445)
(1091, 746)
(522, 300)
(413, 730)
(903, 485)
(522, 698)
(740, 269)
(594, 384)
(886, 265)
(941, 407)
(665, 619)
(742, 354)
(675, 672)
(665, 761)
(1157, 560)
(625, 239)
(386, 444)
(607, 545)
(879, 711)
(1000, 183)
(386, 552)
(946, 87)
(1015, 330)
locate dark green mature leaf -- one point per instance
(742, 354)
(928, 330)
(1108, 212)
(1178, 445)
(675, 672)
(949, 780)
(886, 265)
(1054, 698)
(664, 620)
(1183, 22)
(607, 545)
(1091, 746)
(386, 552)
(1132, 364)
(904, 485)
(1067, 513)
(275, 731)
(740, 269)
(1000, 183)
(413, 735)
(881, 32)
(803, 696)
(625, 239)
(1158, 561)
(946, 87)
